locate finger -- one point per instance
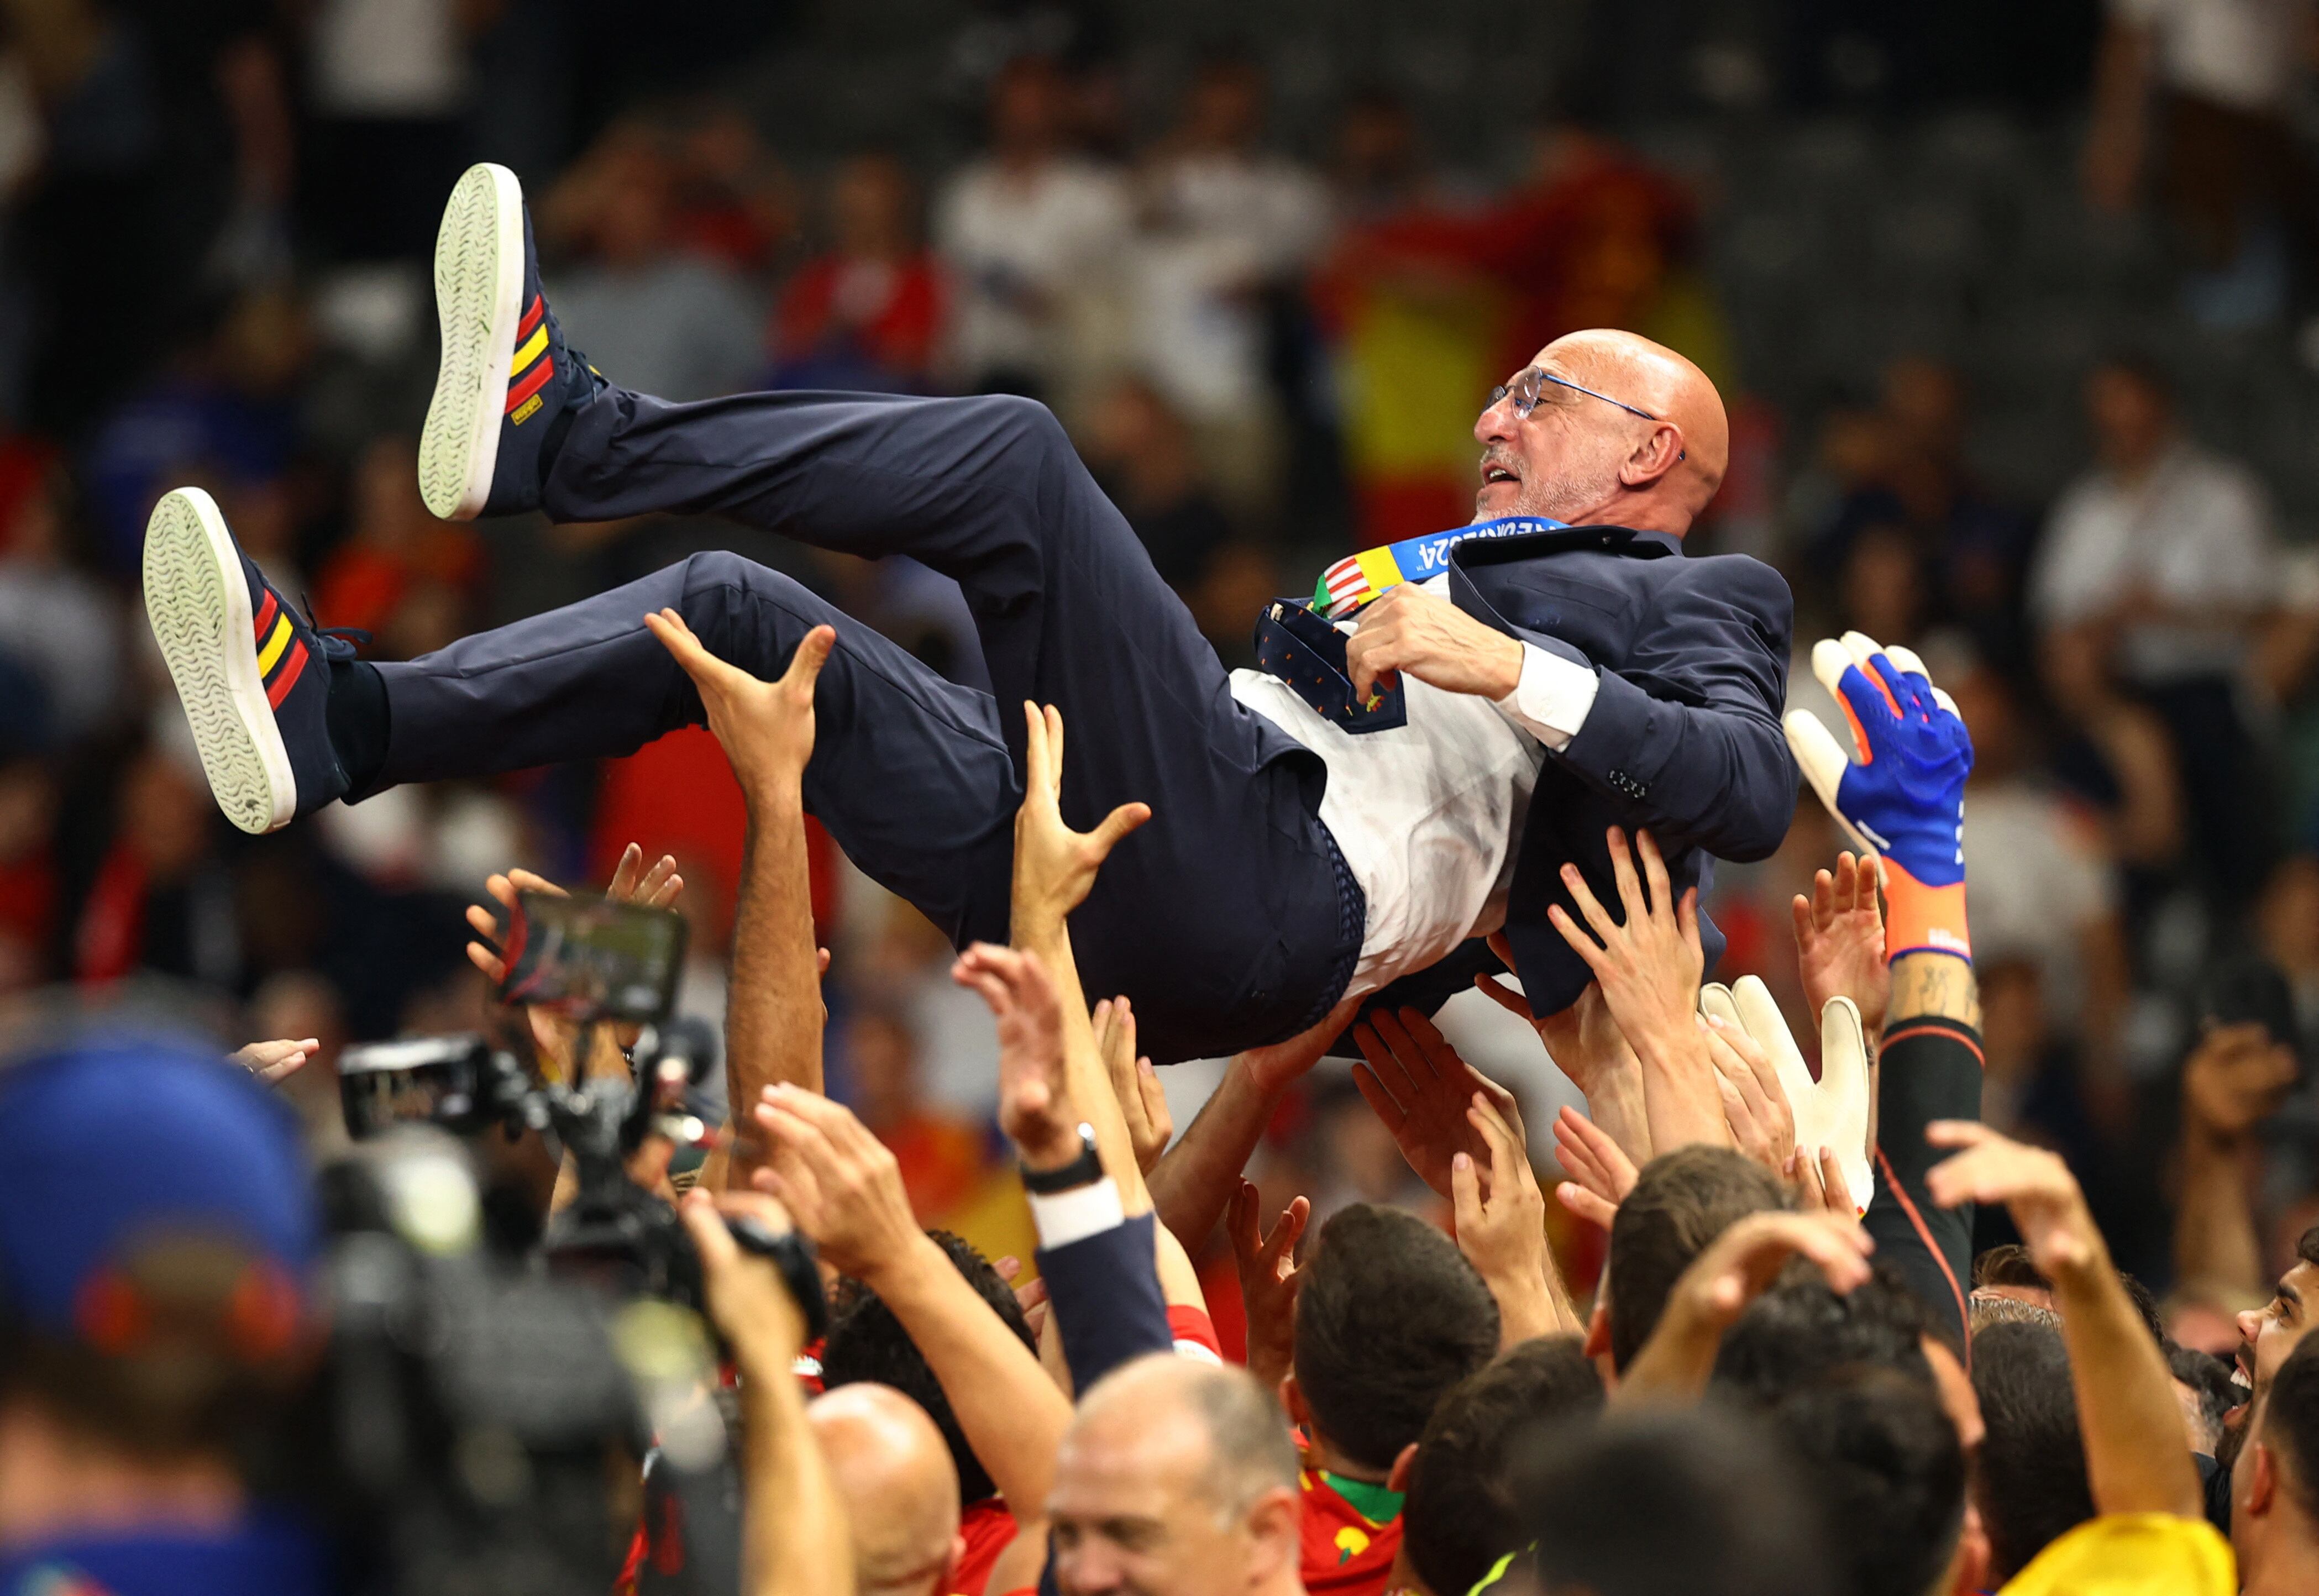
(1583, 945)
(1846, 896)
(1842, 1102)
(806, 663)
(1038, 769)
(1589, 905)
(1686, 921)
(1655, 872)
(1282, 1242)
(1823, 765)
(1240, 1221)
(1622, 872)
(1408, 1061)
(625, 873)
(1466, 1192)
(493, 967)
(715, 1244)
(1006, 1269)
(1904, 659)
(1908, 693)
(1595, 1210)
(1767, 1028)
(1115, 826)
(1960, 1133)
(1504, 997)
(524, 880)
(708, 672)
(1156, 1113)
(820, 955)
(1379, 1100)
(280, 1068)
(1054, 719)
(1834, 1189)
(1940, 697)
(1806, 916)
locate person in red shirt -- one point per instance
(867, 314)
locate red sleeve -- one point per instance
(1187, 1324)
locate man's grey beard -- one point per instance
(1564, 499)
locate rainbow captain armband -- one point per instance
(1902, 801)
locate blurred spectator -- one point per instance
(162, 900)
(1223, 223)
(28, 884)
(1034, 237)
(942, 1160)
(867, 314)
(389, 82)
(2163, 553)
(2218, 78)
(2118, 755)
(1908, 489)
(302, 1004)
(651, 317)
(55, 620)
(1139, 448)
(735, 201)
(401, 575)
(226, 411)
(2044, 891)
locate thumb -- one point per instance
(812, 653)
(675, 636)
(1117, 825)
(1594, 1209)
(711, 1239)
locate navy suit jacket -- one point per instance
(1683, 736)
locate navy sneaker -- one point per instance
(506, 373)
(254, 680)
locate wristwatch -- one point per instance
(1084, 1170)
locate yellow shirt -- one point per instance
(2132, 1554)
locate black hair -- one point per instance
(2009, 1264)
(1681, 1202)
(1461, 1516)
(1703, 1501)
(2290, 1424)
(1883, 1462)
(2209, 1379)
(1800, 1331)
(1389, 1316)
(2031, 1484)
(866, 1342)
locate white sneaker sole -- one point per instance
(197, 602)
(479, 301)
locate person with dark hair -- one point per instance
(2030, 1482)
(2006, 1270)
(1390, 1318)
(1883, 1463)
(866, 1342)
(155, 1323)
(2203, 1384)
(1800, 1331)
(2270, 1333)
(1681, 1202)
(2275, 1485)
(1703, 1501)
(1460, 1516)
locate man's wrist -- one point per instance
(891, 1278)
(1057, 1146)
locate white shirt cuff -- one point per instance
(1551, 700)
(1075, 1215)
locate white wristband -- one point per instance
(1075, 1215)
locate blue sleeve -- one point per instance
(1687, 729)
(1104, 1291)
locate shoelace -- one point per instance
(339, 642)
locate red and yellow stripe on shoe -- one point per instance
(281, 657)
(528, 372)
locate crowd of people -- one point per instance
(1269, 358)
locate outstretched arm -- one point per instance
(2137, 1452)
(773, 1017)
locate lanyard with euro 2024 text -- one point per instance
(1357, 578)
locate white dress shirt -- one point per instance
(1429, 815)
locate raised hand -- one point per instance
(1820, 1187)
(272, 1062)
(766, 727)
(1840, 942)
(1737, 1268)
(839, 1183)
(1501, 1229)
(1770, 1088)
(747, 1298)
(2234, 1080)
(2035, 1187)
(1054, 866)
(1271, 1069)
(1586, 1045)
(1601, 1173)
(1648, 968)
(1142, 1102)
(1268, 1279)
(1902, 803)
(1419, 1087)
(656, 887)
(1034, 1098)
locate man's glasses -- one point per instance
(1526, 389)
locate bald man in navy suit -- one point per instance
(1408, 777)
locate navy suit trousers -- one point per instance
(1229, 919)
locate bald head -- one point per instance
(1581, 458)
(882, 1448)
(1176, 1478)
